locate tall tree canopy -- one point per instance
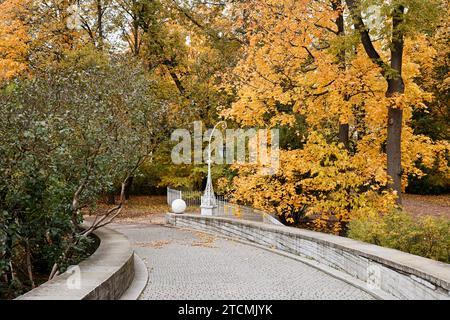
(351, 70)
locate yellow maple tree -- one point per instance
(292, 66)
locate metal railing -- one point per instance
(224, 207)
(173, 195)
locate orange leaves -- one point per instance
(421, 148)
(281, 49)
(13, 39)
(291, 67)
(323, 177)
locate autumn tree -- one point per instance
(303, 60)
(34, 34)
(396, 20)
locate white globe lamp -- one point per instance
(178, 206)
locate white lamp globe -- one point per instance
(178, 206)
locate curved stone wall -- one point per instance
(394, 273)
(105, 275)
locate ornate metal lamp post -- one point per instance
(208, 201)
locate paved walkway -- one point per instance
(185, 264)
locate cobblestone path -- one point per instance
(185, 264)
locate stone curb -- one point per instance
(140, 280)
(105, 275)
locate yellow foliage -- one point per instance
(323, 177)
(291, 67)
(14, 39)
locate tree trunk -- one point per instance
(136, 36)
(29, 265)
(100, 24)
(7, 257)
(343, 127)
(176, 80)
(393, 76)
(396, 86)
(129, 183)
(344, 134)
(393, 149)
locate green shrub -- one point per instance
(67, 135)
(424, 236)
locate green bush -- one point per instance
(424, 236)
(68, 134)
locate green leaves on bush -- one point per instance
(68, 134)
(424, 236)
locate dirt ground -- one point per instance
(418, 205)
(146, 209)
